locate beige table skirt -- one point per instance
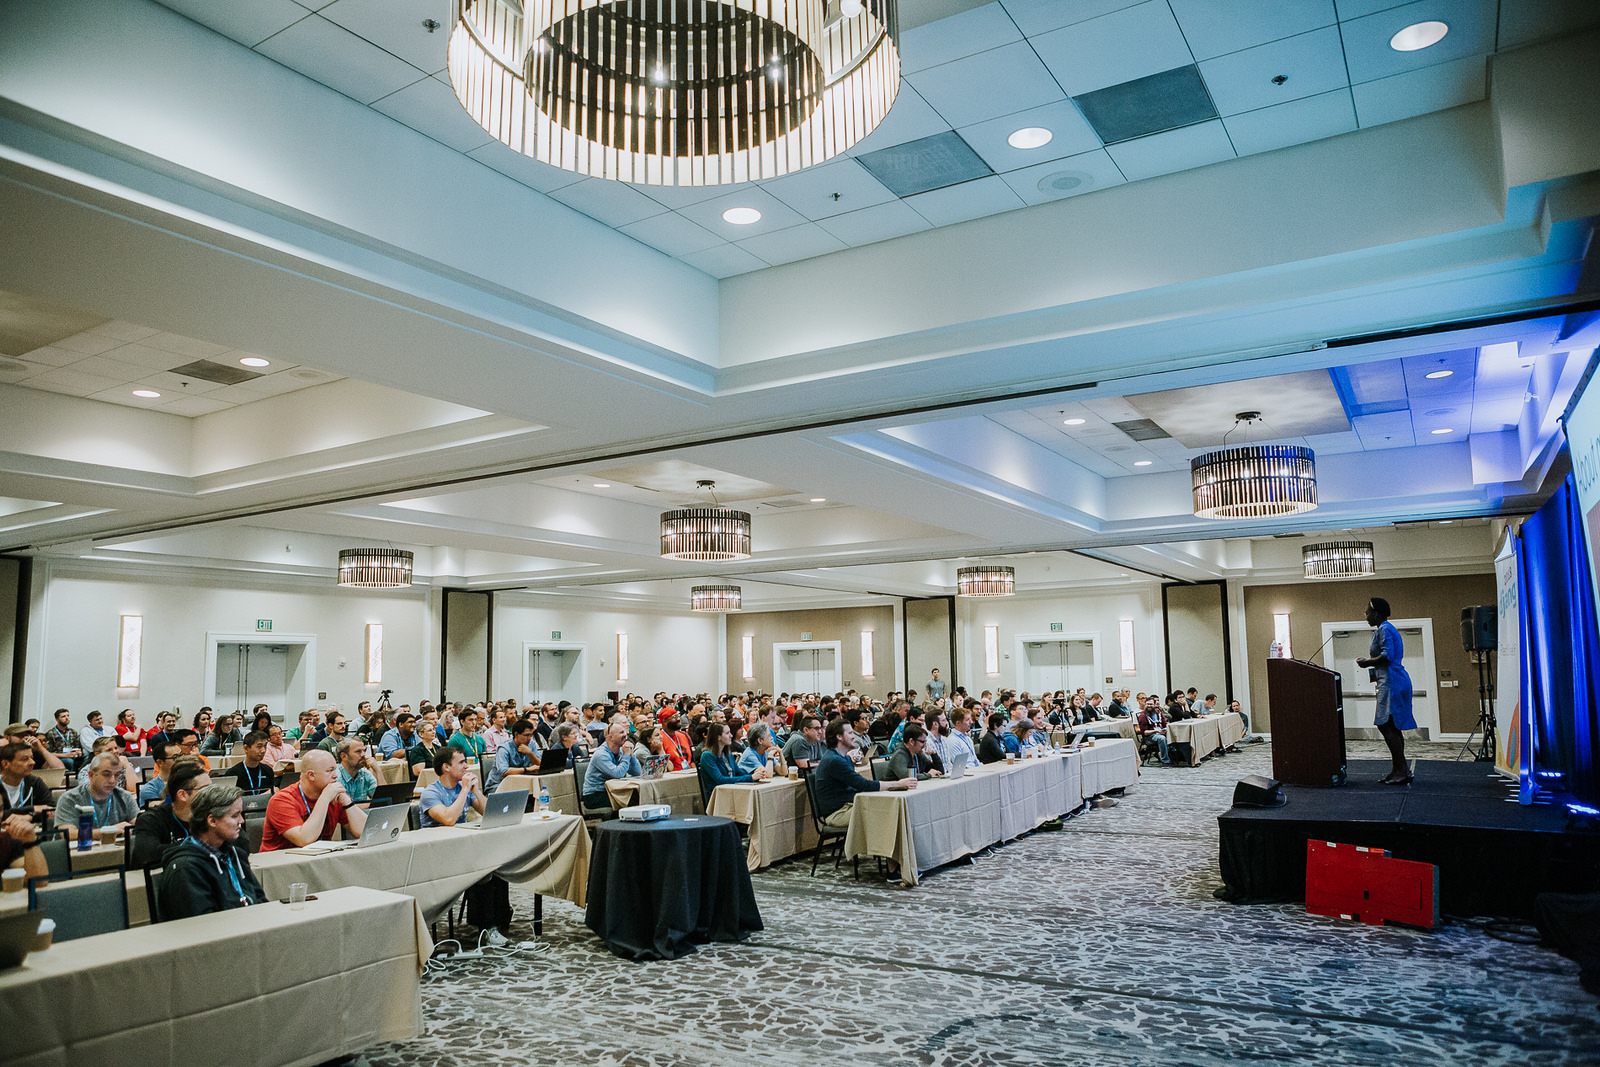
(227, 987)
(563, 788)
(1108, 765)
(1206, 735)
(942, 820)
(679, 790)
(777, 813)
(437, 864)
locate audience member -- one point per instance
(24, 792)
(94, 731)
(62, 740)
(313, 809)
(908, 760)
(1152, 726)
(761, 752)
(113, 807)
(279, 749)
(447, 800)
(519, 753)
(209, 871)
(836, 781)
(252, 774)
(613, 759)
(805, 748)
(159, 828)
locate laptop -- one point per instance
(17, 934)
(397, 793)
(501, 809)
(958, 764)
(554, 759)
(655, 766)
(383, 825)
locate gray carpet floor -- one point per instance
(1099, 944)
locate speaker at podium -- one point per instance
(1307, 723)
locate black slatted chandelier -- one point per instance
(1338, 559)
(716, 598)
(713, 534)
(676, 92)
(375, 568)
(1253, 481)
(986, 580)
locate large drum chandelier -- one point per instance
(986, 581)
(1338, 559)
(712, 534)
(718, 598)
(676, 92)
(1253, 481)
(375, 568)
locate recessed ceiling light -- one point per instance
(1439, 374)
(819, 500)
(1143, 462)
(1443, 429)
(741, 216)
(1073, 422)
(148, 394)
(1418, 35)
(602, 485)
(255, 361)
(850, 8)
(1030, 137)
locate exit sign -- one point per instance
(1055, 627)
(263, 625)
(555, 635)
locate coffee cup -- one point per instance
(107, 835)
(794, 773)
(1011, 757)
(42, 939)
(14, 881)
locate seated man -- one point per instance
(358, 772)
(761, 751)
(1152, 726)
(860, 721)
(676, 744)
(22, 733)
(167, 824)
(399, 737)
(62, 740)
(909, 760)
(24, 792)
(113, 807)
(189, 745)
(614, 759)
(837, 782)
(991, 748)
(336, 729)
(279, 749)
(162, 753)
(960, 738)
(209, 871)
(467, 738)
(251, 774)
(805, 747)
(519, 754)
(312, 809)
(307, 727)
(445, 801)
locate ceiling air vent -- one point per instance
(220, 373)
(1142, 430)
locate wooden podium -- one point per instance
(1307, 723)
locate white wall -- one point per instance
(677, 653)
(74, 630)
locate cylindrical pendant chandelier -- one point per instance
(711, 534)
(715, 598)
(1338, 559)
(375, 568)
(676, 92)
(986, 581)
(1254, 482)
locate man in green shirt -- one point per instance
(338, 726)
(467, 739)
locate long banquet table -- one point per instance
(1206, 734)
(1122, 727)
(437, 864)
(1109, 764)
(264, 985)
(563, 789)
(778, 815)
(942, 820)
(679, 790)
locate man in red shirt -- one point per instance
(676, 744)
(309, 811)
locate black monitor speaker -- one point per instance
(1480, 629)
(1255, 791)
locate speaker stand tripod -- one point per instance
(1485, 752)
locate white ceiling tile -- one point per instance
(1164, 153)
(108, 367)
(396, 26)
(1296, 122)
(1418, 92)
(123, 395)
(229, 394)
(124, 331)
(1071, 136)
(681, 196)
(960, 35)
(831, 189)
(184, 346)
(67, 380)
(1092, 170)
(1366, 40)
(969, 200)
(1034, 17)
(1217, 27)
(671, 233)
(1333, 444)
(1354, 9)
(1241, 81)
(724, 261)
(1522, 24)
(1391, 429)
(176, 385)
(248, 23)
(873, 224)
(142, 355)
(910, 119)
(270, 385)
(52, 356)
(987, 85)
(430, 107)
(313, 5)
(524, 169)
(1115, 48)
(775, 214)
(191, 406)
(88, 344)
(612, 203)
(339, 59)
(795, 243)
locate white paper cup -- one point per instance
(47, 931)
(14, 881)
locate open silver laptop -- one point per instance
(501, 809)
(383, 825)
(958, 765)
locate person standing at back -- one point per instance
(935, 686)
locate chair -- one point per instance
(57, 852)
(254, 827)
(826, 833)
(880, 769)
(255, 803)
(83, 907)
(414, 816)
(150, 875)
(593, 814)
(1147, 748)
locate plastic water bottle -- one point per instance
(544, 799)
(85, 827)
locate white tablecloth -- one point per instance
(1109, 765)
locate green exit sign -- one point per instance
(1055, 627)
(263, 625)
(555, 635)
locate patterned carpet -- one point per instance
(1100, 944)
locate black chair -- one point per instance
(254, 828)
(1147, 748)
(255, 803)
(151, 873)
(880, 770)
(593, 814)
(414, 816)
(826, 833)
(83, 907)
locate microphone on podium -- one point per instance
(1323, 649)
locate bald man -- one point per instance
(310, 810)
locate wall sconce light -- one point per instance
(130, 649)
(374, 653)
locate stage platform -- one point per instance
(1494, 855)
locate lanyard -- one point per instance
(303, 800)
(256, 783)
(101, 820)
(233, 876)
